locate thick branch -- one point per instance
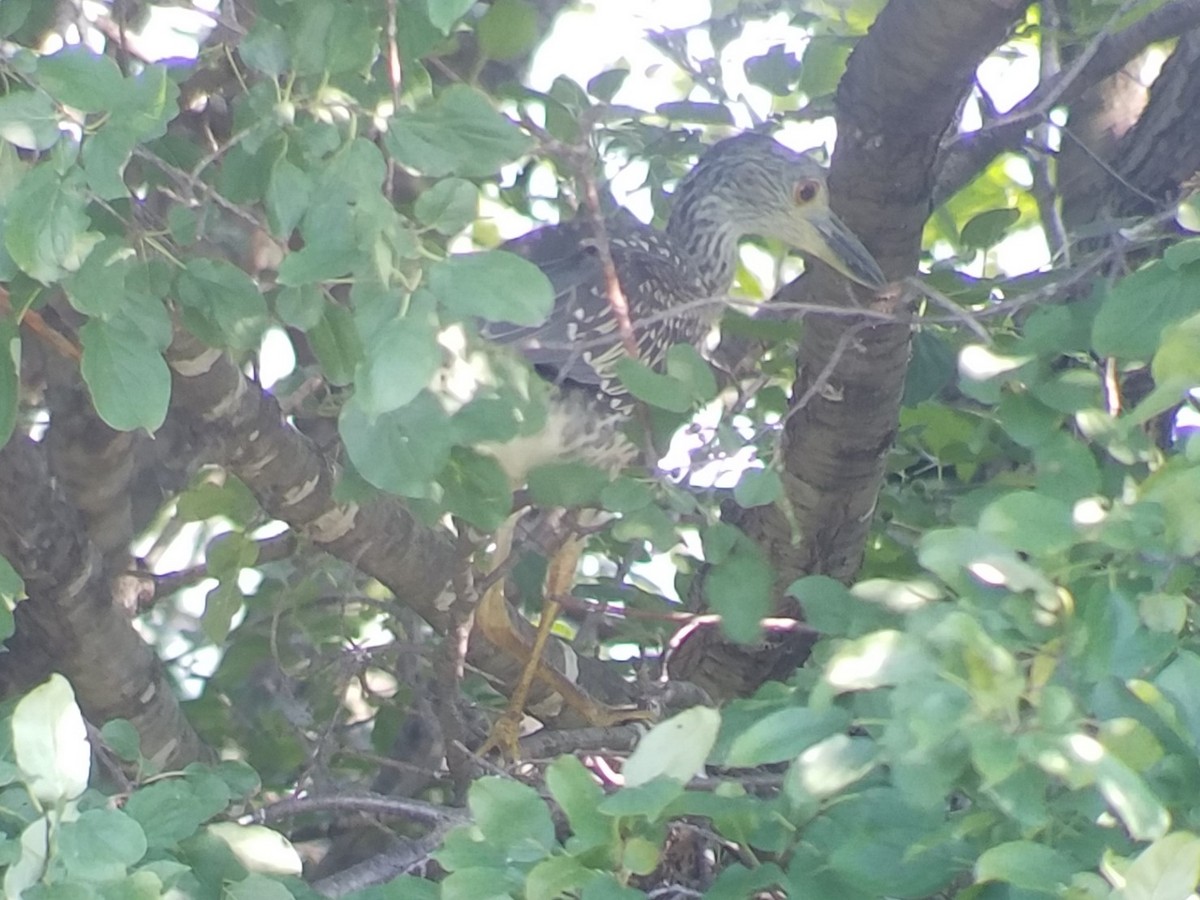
(900, 94)
(970, 153)
(70, 624)
(295, 483)
(1162, 150)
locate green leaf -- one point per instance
(987, 228)
(328, 38)
(687, 365)
(880, 659)
(448, 206)
(126, 374)
(649, 523)
(1026, 865)
(777, 70)
(401, 451)
(570, 484)
(1170, 867)
(257, 887)
(1177, 359)
(758, 487)
(30, 867)
(28, 120)
(578, 796)
(10, 382)
(605, 85)
(1138, 307)
(719, 540)
(823, 64)
(1182, 254)
(625, 495)
(52, 239)
(300, 307)
(648, 800)
(482, 882)
(122, 738)
(50, 742)
(221, 604)
(829, 766)
(12, 15)
(782, 735)
(1026, 420)
(695, 111)
(265, 48)
(100, 845)
(883, 845)
(230, 499)
(171, 810)
(99, 288)
(740, 589)
(497, 286)
(228, 553)
(105, 155)
(1030, 522)
(444, 13)
(512, 815)
(258, 848)
(509, 29)
(12, 591)
(336, 344)
(287, 197)
(676, 748)
(475, 488)
(399, 361)
(149, 102)
(932, 367)
(826, 601)
(78, 77)
(650, 387)
(556, 877)
(1081, 760)
(458, 134)
(222, 306)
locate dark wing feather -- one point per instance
(581, 326)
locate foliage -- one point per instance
(1004, 706)
(62, 838)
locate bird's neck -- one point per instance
(700, 227)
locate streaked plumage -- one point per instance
(672, 280)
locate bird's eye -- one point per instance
(805, 191)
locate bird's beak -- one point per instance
(838, 246)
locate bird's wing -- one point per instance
(581, 326)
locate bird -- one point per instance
(673, 282)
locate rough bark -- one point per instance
(902, 89)
(69, 623)
(1162, 151)
(966, 156)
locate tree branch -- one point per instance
(967, 155)
(70, 624)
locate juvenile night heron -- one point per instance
(672, 282)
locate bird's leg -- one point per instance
(493, 617)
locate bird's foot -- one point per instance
(504, 736)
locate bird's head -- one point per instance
(765, 189)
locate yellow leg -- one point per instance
(493, 618)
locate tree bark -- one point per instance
(902, 89)
(69, 623)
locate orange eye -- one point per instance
(805, 191)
